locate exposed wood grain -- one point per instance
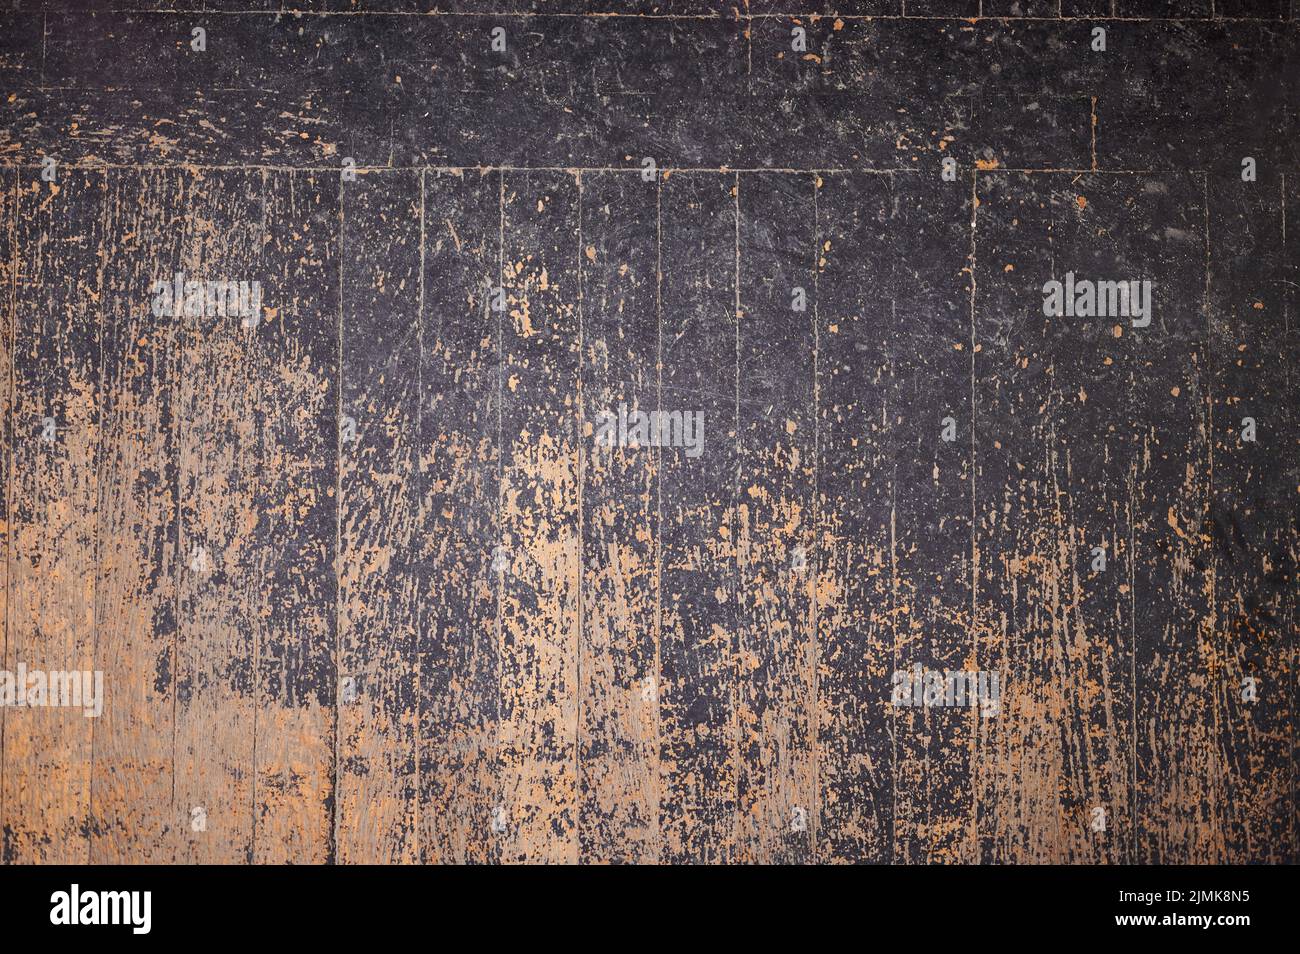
(857, 581)
(459, 589)
(137, 509)
(698, 522)
(255, 667)
(775, 518)
(297, 529)
(934, 808)
(1053, 485)
(219, 577)
(1252, 351)
(1180, 771)
(619, 727)
(1290, 277)
(380, 505)
(540, 517)
(8, 289)
(53, 549)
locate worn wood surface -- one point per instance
(365, 586)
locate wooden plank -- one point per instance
(1180, 805)
(775, 519)
(458, 589)
(56, 358)
(1055, 458)
(857, 581)
(21, 53)
(619, 742)
(698, 521)
(380, 511)
(257, 594)
(297, 532)
(1290, 276)
(8, 293)
(540, 518)
(1252, 348)
(1090, 405)
(135, 617)
(932, 538)
(221, 403)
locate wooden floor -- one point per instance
(365, 587)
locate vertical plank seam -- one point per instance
(737, 572)
(1132, 629)
(749, 51)
(1134, 823)
(251, 851)
(178, 374)
(974, 525)
(500, 578)
(659, 518)
(815, 717)
(886, 435)
(1286, 327)
(177, 559)
(332, 852)
(417, 461)
(1207, 372)
(577, 725)
(97, 544)
(9, 483)
(1132, 625)
(893, 607)
(100, 454)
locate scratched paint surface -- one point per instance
(365, 584)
